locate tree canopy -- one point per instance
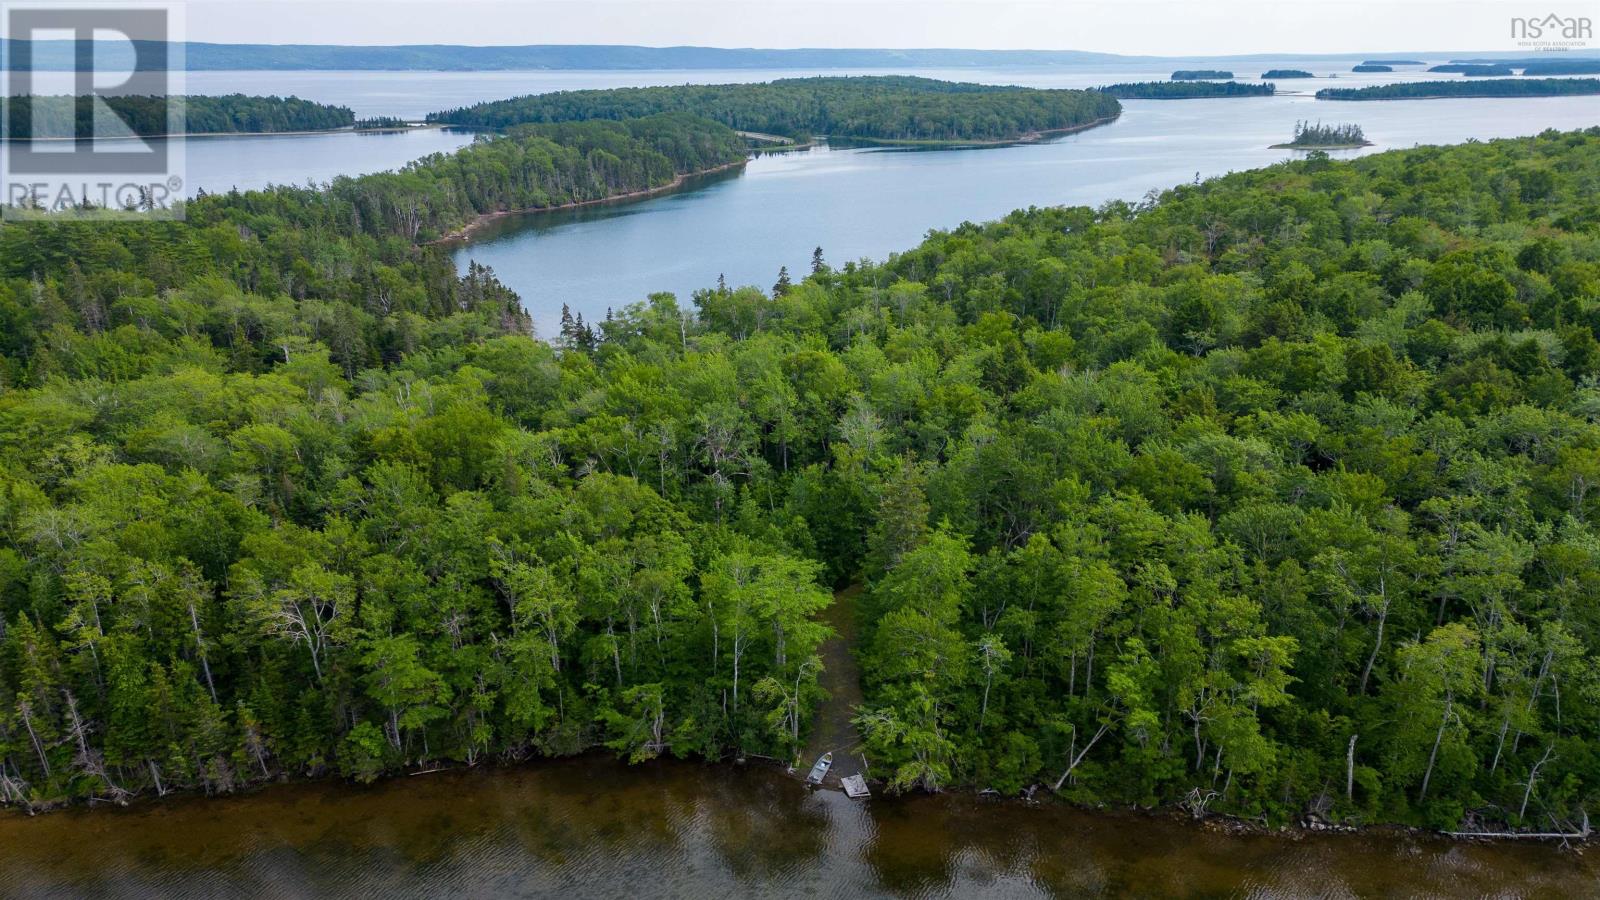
(1271, 494)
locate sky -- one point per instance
(1153, 27)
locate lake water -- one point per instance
(591, 827)
(853, 203)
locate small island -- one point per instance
(1440, 90)
(1271, 74)
(1325, 137)
(1200, 74)
(1372, 67)
(1186, 90)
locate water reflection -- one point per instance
(592, 828)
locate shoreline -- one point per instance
(1032, 137)
(1301, 829)
(465, 232)
(1453, 97)
(1321, 146)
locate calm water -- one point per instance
(593, 828)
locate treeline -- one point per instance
(1198, 74)
(1286, 73)
(1308, 134)
(1428, 90)
(1372, 67)
(380, 122)
(884, 108)
(1562, 67)
(61, 116)
(1186, 90)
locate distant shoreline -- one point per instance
(1032, 137)
(186, 135)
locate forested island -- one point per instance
(60, 117)
(885, 109)
(1268, 496)
(1271, 74)
(1562, 67)
(1186, 90)
(1317, 136)
(1200, 74)
(1438, 90)
(1474, 70)
(1372, 67)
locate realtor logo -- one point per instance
(1552, 32)
(91, 121)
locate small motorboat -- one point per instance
(820, 770)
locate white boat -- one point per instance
(820, 770)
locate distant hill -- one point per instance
(57, 55)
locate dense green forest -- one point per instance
(1269, 494)
(882, 108)
(1286, 73)
(61, 116)
(1539, 87)
(1372, 67)
(1186, 90)
(1199, 74)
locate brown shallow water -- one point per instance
(590, 827)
